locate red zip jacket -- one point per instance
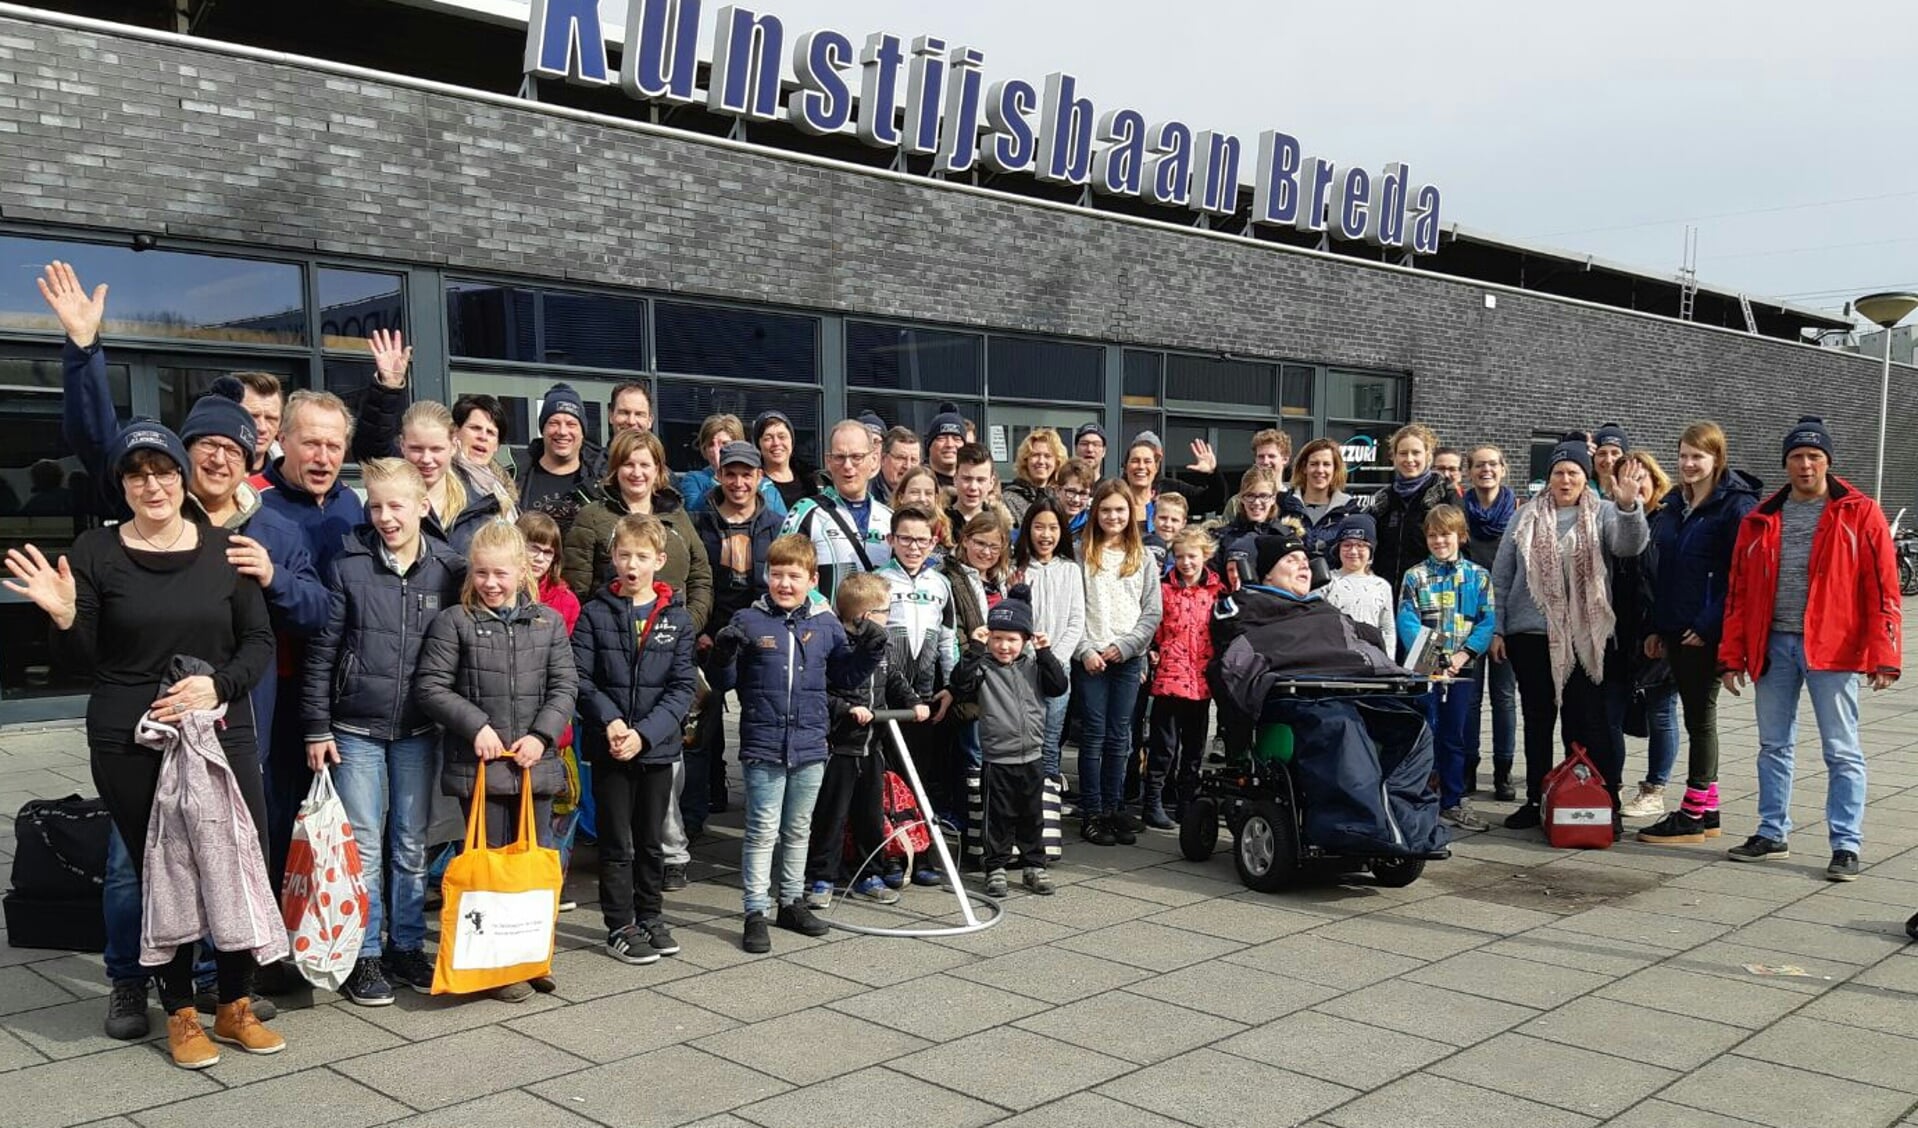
(1184, 641)
(1854, 616)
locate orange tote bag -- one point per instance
(501, 905)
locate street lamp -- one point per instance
(1887, 310)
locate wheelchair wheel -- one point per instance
(1266, 851)
(1199, 829)
(1397, 873)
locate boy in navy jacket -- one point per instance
(785, 649)
(633, 646)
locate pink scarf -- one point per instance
(1578, 616)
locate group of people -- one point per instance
(478, 611)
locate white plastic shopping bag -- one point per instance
(324, 901)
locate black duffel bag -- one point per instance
(59, 873)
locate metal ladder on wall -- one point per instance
(1688, 275)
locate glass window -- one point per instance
(1007, 425)
(1364, 395)
(353, 303)
(520, 398)
(904, 411)
(899, 358)
(1022, 368)
(1231, 441)
(1131, 424)
(493, 322)
(741, 344)
(182, 382)
(592, 330)
(1212, 380)
(45, 493)
(160, 293)
(1295, 389)
(683, 405)
(1368, 461)
(1143, 371)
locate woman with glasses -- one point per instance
(125, 603)
(1035, 471)
(977, 570)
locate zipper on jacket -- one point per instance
(399, 699)
(512, 682)
(792, 660)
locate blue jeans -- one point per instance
(1497, 680)
(120, 904)
(1055, 732)
(386, 787)
(1834, 702)
(1661, 721)
(1106, 702)
(779, 802)
(1449, 709)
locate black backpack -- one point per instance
(59, 874)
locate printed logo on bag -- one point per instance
(503, 929)
(478, 920)
(1581, 815)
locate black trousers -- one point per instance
(1175, 746)
(127, 776)
(1581, 719)
(1015, 811)
(632, 799)
(852, 792)
(941, 765)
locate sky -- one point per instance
(1787, 139)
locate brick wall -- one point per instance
(108, 132)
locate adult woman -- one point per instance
(773, 435)
(635, 482)
(1122, 614)
(1035, 469)
(1141, 472)
(1318, 489)
(1693, 534)
(1400, 507)
(461, 494)
(1552, 582)
(125, 603)
(476, 423)
(1634, 673)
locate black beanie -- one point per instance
(146, 434)
(218, 414)
(1359, 526)
(1810, 432)
(1014, 612)
(1611, 434)
(1574, 451)
(561, 399)
(947, 422)
(1269, 549)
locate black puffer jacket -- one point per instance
(650, 688)
(1401, 522)
(511, 669)
(885, 688)
(360, 666)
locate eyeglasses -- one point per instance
(168, 478)
(983, 545)
(845, 458)
(1486, 465)
(225, 452)
(1259, 498)
(1075, 494)
(912, 542)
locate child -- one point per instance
(924, 617)
(1363, 597)
(1076, 482)
(784, 649)
(1011, 688)
(387, 586)
(636, 675)
(1042, 560)
(496, 674)
(1451, 597)
(1171, 511)
(1181, 702)
(543, 556)
(854, 785)
(920, 487)
(1122, 615)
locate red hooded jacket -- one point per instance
(1184, 641)
(1854, 615)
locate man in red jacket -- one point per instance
(1813, 604)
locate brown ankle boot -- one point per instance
(186, 1040)
(237, 1025)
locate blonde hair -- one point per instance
(1194, 537)
(540, 529)
(393, 472)
(642, 527)
(501, 536)
(1171, 500)
(307, 399)
(1312, 448)
(625, 445)
(1129, 539)
(942, 530)
(989, 521)
(1661, 481)
(1709, 437)
(1447, 519)
(860, 593)
(432, 413)
(1417, 431)
(1272, 436)
(1040, 437)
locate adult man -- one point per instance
(1089, 443)
(1609, 444)
(631, 408)
(560, 470)
(1449, 465)
(944, 436)
(265, 401)
(1813, 603)
(1272, 449)
(972, 481)
(899, 454)
(848, 528)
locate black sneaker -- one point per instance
(757, 939)
(1093, 829)
(1758, 848)
(675, 877)
(1127, 822)
(367, 986)
(1120, 834)
(410, 968)
(660, 937)
(1675, 828)
(127, 1010)
(796, 917)
(628, 945)
(1710, 823)
(1525, 818)
(1843, 867)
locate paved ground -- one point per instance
(1513, 985)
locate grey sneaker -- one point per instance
(1758, 848)
(1843, 867)
(996, 884)
(660, 937)
(1038, 881)
(513, 992)
(1463, 817)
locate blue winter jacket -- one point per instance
(1693, 554)
(784, 662)
(649, 687)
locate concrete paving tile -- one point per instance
(1465, 911)
(1720, 908)
(1620, 862)
(1664, 1114)
(621, 1026)
(1429, 1012)
(940, 1008)
(21, 989)
(1870, 1056)
(417, 1017)
(1726, 958)
(1171, 885)
(1154, 947)
(714, 944)
(1750, 1004)
(315, 1036)
(1081, 907)
(73, 1029)
(515, 1106)
(1087, 1110)
(1784, 1097)
(1898, 974)
(589, 973)
(1654, 930)
(1242, 994)
(1215, 1090)
(1015, 933)
(761, 990)
(1673, 1040)
(1012, 1068)
(1841, 945)
(661, 1089)
(427, 1075)
(81, 974)
(808, 1046)
(873, 1098)
(291, 1101)
(1869, 1007)
(1132, 1027)
(1052, 974)
(1884, 890)
(1424, 1100)
(15, 1054)
(1579, 951)
(1761, 883)
(1389, 932)
(1568, 1077)
(880, 961)
(1336, 1049)
(1233, 919)
(1322, 960)
(1511, 980)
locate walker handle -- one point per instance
(903, 716)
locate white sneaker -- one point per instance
(1649, 803)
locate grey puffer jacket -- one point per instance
(511, 669)
(1011, 700)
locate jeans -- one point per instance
(1105, 735)
(386, 787)
(1500, 682)
(120, 902)
(1661, 722)
(1695, 669)
(1449, 709)
(1834, 702)
(1055, 733)
(779, 803)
